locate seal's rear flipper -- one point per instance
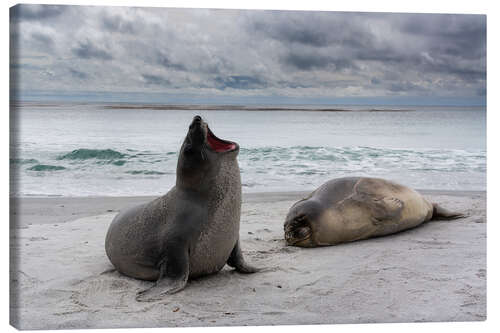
(439, 213)
(171, 280)
(236, 260)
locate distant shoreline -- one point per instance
(222, 107)
(244, 108)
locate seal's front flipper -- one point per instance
(382, 209)
(385, 210)
(174, 273)
(439, 213)
(236, 260)
(161, 288)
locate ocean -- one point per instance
(93, 149)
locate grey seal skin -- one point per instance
(353, 208)
(191, 231)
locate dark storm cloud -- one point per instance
(36, 12)
(306, 62)
(303, 34)
(381, 54)
(163, 60)
(87, 50)
(293, 84)
(451, 40)
(468, 74)
(158, 80)
(42, 41)
(404, 87)
(448, 41)
(77, 74)
(42, 38)
(463, 35)
(344, 35)
(314, 61)
(116, 23)
(315, 29)
(239, 82)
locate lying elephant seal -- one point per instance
(191, 231)
(348, 209)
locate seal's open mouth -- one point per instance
(219, 145)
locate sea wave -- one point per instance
(311, 160)
(14, 161)
(46, 167)
(267, 168)
(145, 172)
(301, 160)
(85, 154)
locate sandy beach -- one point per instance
(62, 279)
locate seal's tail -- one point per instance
(439, 213)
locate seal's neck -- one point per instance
(192, 184)
(209, 179)
(196, 177)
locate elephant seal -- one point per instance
(353, 208)
(191, 231)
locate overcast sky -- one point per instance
(247, 54)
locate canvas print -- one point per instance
(206, 167)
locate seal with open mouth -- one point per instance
(353, 208)
(191, 231)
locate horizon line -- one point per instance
(159, 98)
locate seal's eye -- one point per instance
(302, 232)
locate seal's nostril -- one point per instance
(197, 118)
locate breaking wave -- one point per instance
(85, 154)
(45, 167)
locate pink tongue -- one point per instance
(219, 146)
